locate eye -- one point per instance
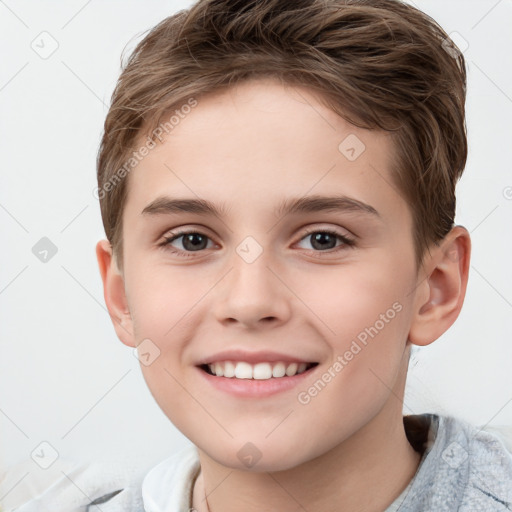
(194, 241)
(322, 240)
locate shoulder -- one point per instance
(77, 487)
(109, 486)
(488, 461)
(465, 468)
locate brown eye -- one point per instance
(325, 240)
(190, 241)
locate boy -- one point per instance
(243, 136)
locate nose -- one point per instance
(253, 294)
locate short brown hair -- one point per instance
(379, 64)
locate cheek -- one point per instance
(349, 301)
(164, 306)
(367, 355)
(160, 301)
(367, 319)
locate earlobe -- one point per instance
(114, 293)
(440, 294)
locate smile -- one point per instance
(259, 371)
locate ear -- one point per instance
(114, 293)
(442, 287)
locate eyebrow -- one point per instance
(307, 204)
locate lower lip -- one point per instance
(255, 388)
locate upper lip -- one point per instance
(252, 357)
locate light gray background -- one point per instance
(65, 378)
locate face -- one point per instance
(257, 281)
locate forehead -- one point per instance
(251, 146)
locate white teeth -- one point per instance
(279, 370)
(243, 371)
(218, 370)
(259, 371)
(292, 369)
(262, 371)
(229, 369)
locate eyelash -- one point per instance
(347, 242)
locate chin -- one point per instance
(257, 458)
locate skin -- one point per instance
(249, 148)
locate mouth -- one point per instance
(260, 371)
